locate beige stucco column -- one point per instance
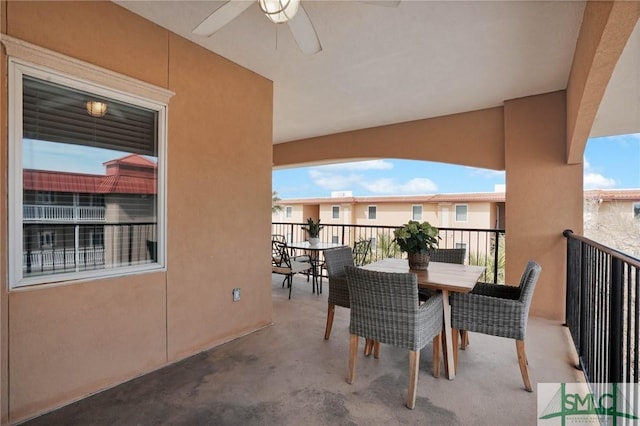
(543, 196)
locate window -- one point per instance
(461, 246)
(416, 213)
(461, 213)
(46, 239)
(96, 209)
(44, 197)
(372, 211)
(288, 211)
(636, 209)
(335, 212)
(335, 239)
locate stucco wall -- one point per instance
(543, 196)
(69, 340)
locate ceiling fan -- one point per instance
(278, 12)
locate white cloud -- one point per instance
(357, 166)
(390, 186)
(597, 181)
(333, 181)
(594, 180)
(486, 173)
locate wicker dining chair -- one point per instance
(335, 262)
(384, 308)
(497, 310)
(451, 255)
(454, 255)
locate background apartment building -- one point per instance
(611, 216)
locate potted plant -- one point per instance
(313, 228)
(418, 240)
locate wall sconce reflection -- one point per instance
(96, 108)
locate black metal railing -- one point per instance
(60, 248)
(602, 311)
(485, 247)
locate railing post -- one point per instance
(496, 238)
(130, 244)
(615, 322)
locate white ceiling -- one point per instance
(383, 65)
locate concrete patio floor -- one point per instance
(287, 374)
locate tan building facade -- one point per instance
(464, 210)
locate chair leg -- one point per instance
(376, 349)
(464, 339)
(436, 355)
(443, 343)
(524, 368)
(330, 312)
(414, 362)
(368, 347)
(353, 352)
(454, 341)
(290, 285)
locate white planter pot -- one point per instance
(314, 241)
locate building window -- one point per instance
(335, 239)
(98, 208)
(46, 239)
(461, 213)
(335, 212)
(44, 197)
(372, 212)
(636, 210)
(461, 245)
(416, 213)
(288, 211)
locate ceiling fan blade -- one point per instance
(304, 33)
(386, 3)
(221, 17)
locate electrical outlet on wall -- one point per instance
(236, 294)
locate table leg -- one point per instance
(448, 343)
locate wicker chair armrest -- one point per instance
(429, 320)
(497, 290)
(489, 315)
(339, 291)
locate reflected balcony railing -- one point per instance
(53, 213)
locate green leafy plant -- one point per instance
(387, 247)
(416, 237)
(313, 228)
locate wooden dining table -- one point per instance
(444, 277)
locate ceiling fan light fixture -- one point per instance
(96, 108)
(279, 11)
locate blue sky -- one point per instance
(610, 163)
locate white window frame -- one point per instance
(466, 215)
(288, 212)
(375, 209)
(461, 245)
(333, 212)
(31, 60)
(413, 212)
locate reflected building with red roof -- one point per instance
(60, 206)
